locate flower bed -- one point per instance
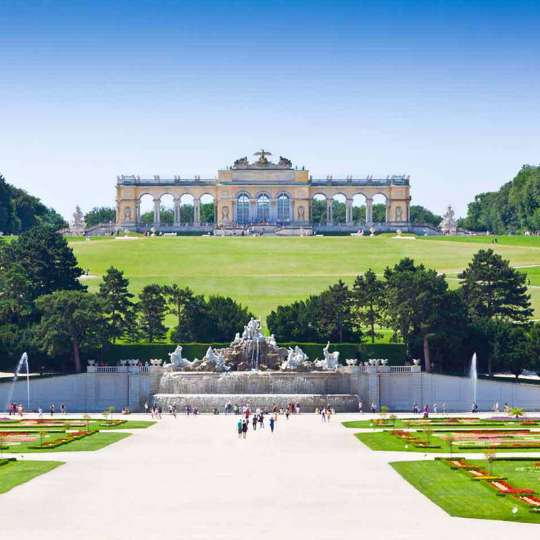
(69, 437)
(501, 486)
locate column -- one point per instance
(348, 211)
(176, 212)
(157, 212)
(369, 211)
(137, 212)
(273, 211)
(387, 216)
(329, 211)
(196, 211)
(253, 211)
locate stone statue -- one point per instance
(272, 340)
(449, 224)
(177, 361)
(225, 213)
(331, 360)
(301, 213)
(263, 160)
(295, 358)
(252, 330)
(217, 359)
(240, 163)
(77, 225)
(284, 162)
(127, 214)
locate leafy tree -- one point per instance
(8, 218)
(368, 303)
(335, 318)
(166, 217)
(533, 347)
(71, 321)
(16, 305)
(208, 212)
(419, 214)
(491, 288)
(193, 321)
(226, 317)
(44, 257)
(293, 322)
(100, 214)
(415, 299)
(117, 303)
(151, 307)
(318, 212)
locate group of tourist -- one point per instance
(326, 413)
(255, 419)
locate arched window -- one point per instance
(283, 208)
(263, 209)
(242, 209)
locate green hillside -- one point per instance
(263, 272)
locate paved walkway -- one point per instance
(191, 478)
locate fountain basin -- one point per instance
(209, 402)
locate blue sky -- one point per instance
(447, 92)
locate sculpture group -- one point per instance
(251, 350)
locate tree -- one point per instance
(152, 306)
(177, 298)
(368, 303)
(101, 214)
(491, 288)
(44, 257)
(70, 322)
(117, 303)
(335, 319)
(8, 218)
(419, 214)
(293, 322)
(226, 317)
(415, 299)
(193, 321)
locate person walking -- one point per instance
(146, 407)
(244, 428)
(52, 409)
(261, 420)
(272, 424)
(360, 407)
(62, 408)
(254, 422)
(174, 410)
(239, 427)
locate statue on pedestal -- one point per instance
(449, 224)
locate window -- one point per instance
(283, 208)
(263, 209)
(242, 209)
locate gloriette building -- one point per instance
(264, 194)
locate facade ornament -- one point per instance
(449, 224)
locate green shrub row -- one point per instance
(394, 352)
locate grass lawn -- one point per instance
(60, 425)
(86, 444)
(435, 424)
(19, 472)
(461, 496)
(264, 272)
(385, 441)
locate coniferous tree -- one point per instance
(491, 288)
(151, 308)
(117, 302)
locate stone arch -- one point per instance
(339, 213)
(207, 208)
(146, 214)
(187, 208)
(167, 208)
(380, 208)
(359, 209)
(319, 208)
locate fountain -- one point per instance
(255, 369)
(473, 374)
(22, 362)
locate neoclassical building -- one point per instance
(264, 193)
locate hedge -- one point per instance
(394, 352)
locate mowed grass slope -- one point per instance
(264, 272)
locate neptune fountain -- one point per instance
(254, 369)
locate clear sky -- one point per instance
(446, 91)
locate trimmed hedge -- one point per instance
(394, 352)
